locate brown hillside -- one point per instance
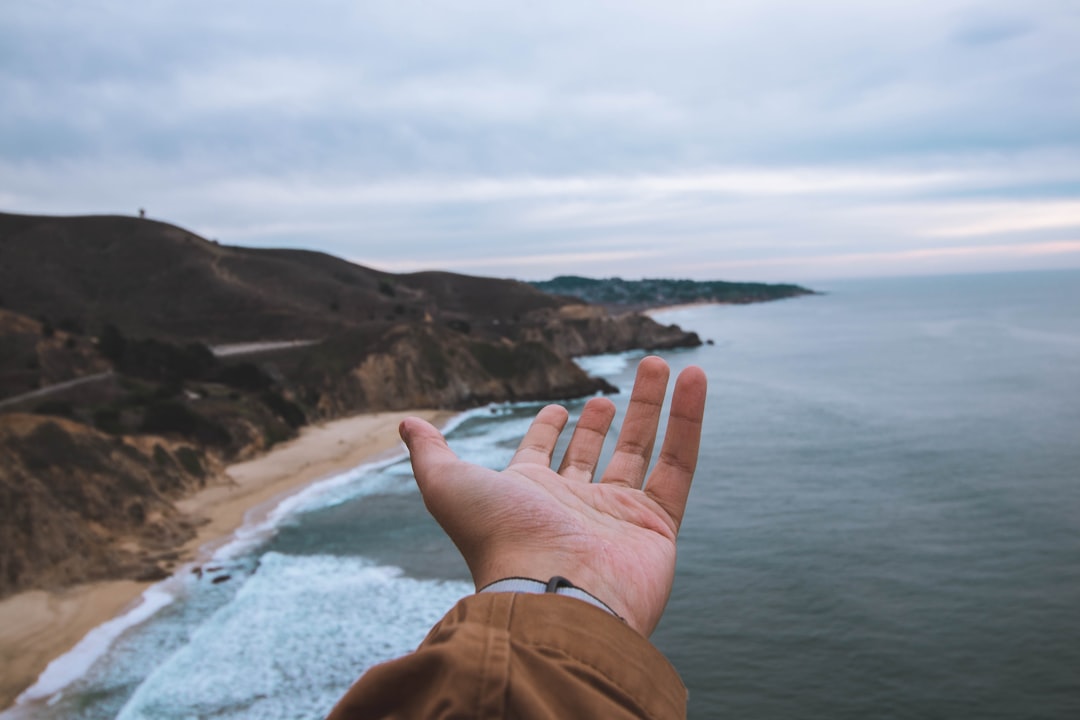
(33, 355)
(154, 279)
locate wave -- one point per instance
(609, 365)
(72, 665)
(298, 633)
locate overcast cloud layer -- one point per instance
(762, 139)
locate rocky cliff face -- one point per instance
(73, 498)
(427, 366)
(576, 330)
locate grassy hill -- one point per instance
(150, 278)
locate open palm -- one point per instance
(614, 538)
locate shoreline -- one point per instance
(649, 312)
(39, 626)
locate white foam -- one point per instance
(293, 639)
(609, 365)
(458, 420)
(72, 665)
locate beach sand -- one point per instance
(651, 312)
(38, 626)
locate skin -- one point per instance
(611, 538)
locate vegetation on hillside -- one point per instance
(659, 292)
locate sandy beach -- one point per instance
(651, 312)
(38, 626)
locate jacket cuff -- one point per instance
(592, 648)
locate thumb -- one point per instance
(428, 451)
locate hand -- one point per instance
(613, 539)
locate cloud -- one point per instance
(736, 182)
(396, 130)
(982, 251)
(545, 261)
(931, 260)
(1008, 217)
(990, 26)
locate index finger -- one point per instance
(669, 483)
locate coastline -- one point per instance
(38, 626)
(650, 312)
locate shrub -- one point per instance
(168, 389)
(432, 353)
(191, 462)
(275, 433)
(460, 325)
(162, 458)
(137, 513)
(112, 344)
(169, 416)
(244, 376)
(54, 407)
(497, 360)
(157, 360)
(288, 411)
(71, 325)
(505, 362)
(107, 419)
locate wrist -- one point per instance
(557, 585)
(620, 599)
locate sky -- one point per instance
(772, 140)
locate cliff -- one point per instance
(80, 505)
(575, 330)
(428, 366)
(115, 405)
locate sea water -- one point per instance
(885, 523)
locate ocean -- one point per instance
(885, 523)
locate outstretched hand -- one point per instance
(614, 538)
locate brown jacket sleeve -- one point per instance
(510, 655)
